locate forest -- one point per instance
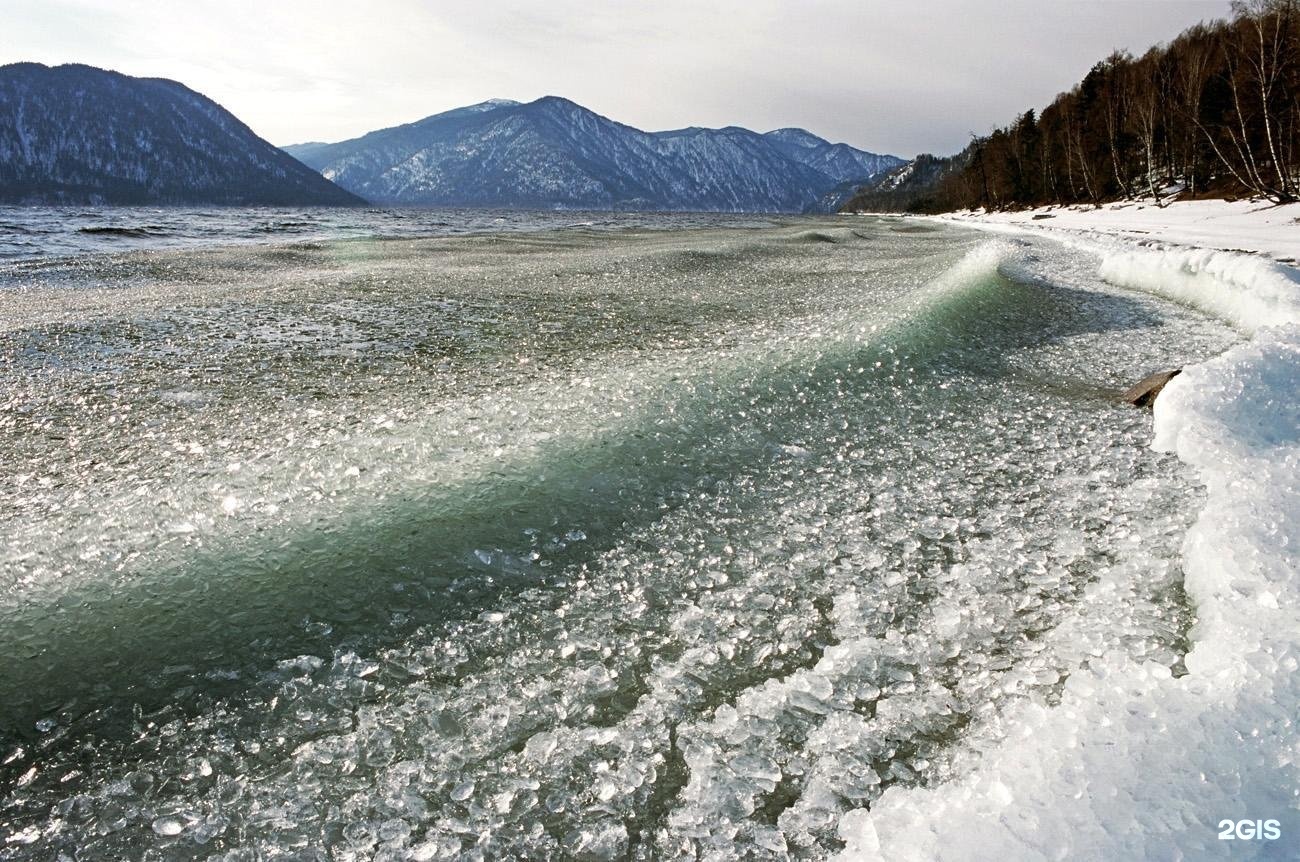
(1213, 113)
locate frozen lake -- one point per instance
(640, 540)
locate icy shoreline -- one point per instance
(1134, 762)
(1237, 226)
(1234, 260)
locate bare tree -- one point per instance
(1194, 56)
(1257, 53)
(1146, 95)
(1114, 98)
(1265, 47)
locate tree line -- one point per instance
(1214, 113)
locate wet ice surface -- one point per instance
(655, 545)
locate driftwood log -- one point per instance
(1144, 392)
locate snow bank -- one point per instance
(1134, 763)
(1246, 291)
(1236, 419)
(1250, 226)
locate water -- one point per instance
(659, 541)
(39, 233)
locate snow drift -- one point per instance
(1248, 292)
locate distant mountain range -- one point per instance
(553, 153)
(80, 135)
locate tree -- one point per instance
(1147, 93)
(1218, 108)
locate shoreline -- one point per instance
(1243, 226)
(1235, 261)
(1235, 421)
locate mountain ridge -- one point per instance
(555, 153)
(77, 134)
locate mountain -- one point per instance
(553, 153)
(839, 161)
(80, 135)
(915, 186)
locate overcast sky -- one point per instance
(898, 76)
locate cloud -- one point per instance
(889, 75)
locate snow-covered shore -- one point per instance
(1246, 226)
(1233, 260)
(1135, 762)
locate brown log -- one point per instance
(1144, 392)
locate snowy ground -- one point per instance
(1250, 226)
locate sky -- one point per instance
(896, 76)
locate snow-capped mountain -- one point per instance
(554, 153)
(838, 161)
(79, 135)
